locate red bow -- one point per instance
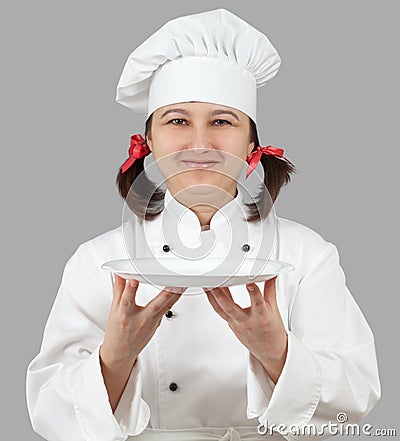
(254, 158)
(137, 149)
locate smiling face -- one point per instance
(200, 148)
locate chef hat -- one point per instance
(211, 57)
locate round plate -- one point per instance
(205, 273)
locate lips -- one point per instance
(194, 163)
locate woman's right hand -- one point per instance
(130, 327)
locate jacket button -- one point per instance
(166, 248)
(173, 387)
(246, 247)
(169, 314)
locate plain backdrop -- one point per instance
(333, 107)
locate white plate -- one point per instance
(204, 273)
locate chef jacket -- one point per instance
(194, 372)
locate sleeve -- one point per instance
(66, 396)
(330, 373)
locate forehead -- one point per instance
(198, 107)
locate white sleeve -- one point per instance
(331, 364)
(66, 395)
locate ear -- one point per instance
(149, 142)
(250, 148)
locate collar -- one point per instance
(181, 229)
(187, 219)
(176, 232)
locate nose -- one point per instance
(199, 138)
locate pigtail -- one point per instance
(277, 173)
(144, 199)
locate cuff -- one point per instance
(295, 396)
(132, 412)
(259, 388)
(93, 409)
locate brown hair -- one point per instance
(277, 173)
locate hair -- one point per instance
(147, 201)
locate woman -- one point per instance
(121, 360)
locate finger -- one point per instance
(119, 286)
(128, 298)
(270, 291)
(177, 292)
(225, 301)
(163, 301)
(215, 305)
(256, 298)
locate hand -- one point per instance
(130, 327)
(259, 327)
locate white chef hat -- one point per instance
(211, 57)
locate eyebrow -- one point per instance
(183, 111)
(224, 112)
(213, 113)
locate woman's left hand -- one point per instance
(258, 327)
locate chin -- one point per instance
(200, 182)
(213, 188)
(200, 189)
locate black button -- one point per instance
(246, 247)
(169, 314)
(173, 387)
(166, 248)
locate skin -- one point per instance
(200, 130)
(129, 328)
(259, 327)
(223, 133)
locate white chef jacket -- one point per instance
(194, 372)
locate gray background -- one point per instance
(332, 106)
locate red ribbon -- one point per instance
(254, 158)
(138, 148)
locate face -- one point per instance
(200, 148)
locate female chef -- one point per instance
(121, 361)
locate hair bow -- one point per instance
(137, 149)
(254, 158)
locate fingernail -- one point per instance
(175, 289)
(133, 283)
(251, 287)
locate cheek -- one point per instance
(163, 144)
(235, 144)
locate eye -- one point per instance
(177, 121)
(222, 122)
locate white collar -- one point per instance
(189, 220)
(176, 232)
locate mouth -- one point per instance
(200, 164)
